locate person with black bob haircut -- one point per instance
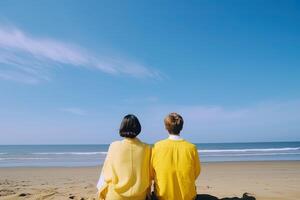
(126, 170)
(130, 127)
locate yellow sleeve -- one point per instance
(107, 174)
(107, 170)
(151, 173)
(197, 163)
(151, 164)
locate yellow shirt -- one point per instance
(126, 171)
(175, 167)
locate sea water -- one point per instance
(94, 155)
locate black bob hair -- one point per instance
(130, 127)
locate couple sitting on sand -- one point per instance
(131, 165)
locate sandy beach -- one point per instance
(264, 180)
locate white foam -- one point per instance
(249, 150)
(19, 158)
(250, 154)
(70, 153)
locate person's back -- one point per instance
(126, 171)
(175, 164)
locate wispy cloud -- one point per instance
(74, 111)
(30, 59)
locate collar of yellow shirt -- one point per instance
(175, 137)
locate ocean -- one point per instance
(94, 155)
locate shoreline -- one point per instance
(100, 165)
(266, 180)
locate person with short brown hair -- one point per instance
(173, 123)
(175, 164)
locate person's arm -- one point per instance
(197, 163)
(106, 175)
(151, 165)
(105, 170)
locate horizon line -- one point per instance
(52, 144)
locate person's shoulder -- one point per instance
(161, 143)
(145, 145)
(115, 143)
(189, 145)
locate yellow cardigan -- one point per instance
(175, 167)
(126, 171)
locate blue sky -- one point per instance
(70, 70)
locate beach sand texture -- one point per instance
(264, 180)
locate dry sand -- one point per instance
(264, 180)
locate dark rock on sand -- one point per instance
(24, 194)
(210, 197)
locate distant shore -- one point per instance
(272, 180)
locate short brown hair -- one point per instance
(173, 123)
